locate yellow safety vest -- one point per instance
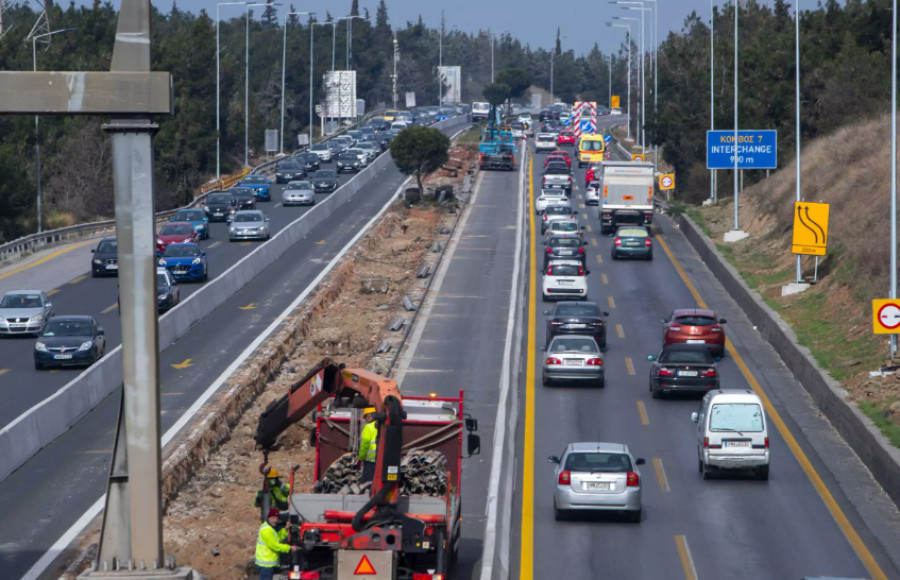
(268, 544)
(277, 494)
(368, 442)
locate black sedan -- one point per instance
(289, 170)
(326, 181)
(565, 248)
(632, 242)
(219, 206)
(348, 162)
(577, 318)
(69, 341)
(310, 161)
(105, 260)
(684, 368)
(245, 197)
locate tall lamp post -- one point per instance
(628, 43)
(349, 20)
(712, 93)
(642, 71)
(37, 134)
(797, 121)
(218, 75)
(283, 68)
(893, 165)
(247, 8)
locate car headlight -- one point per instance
(162, 262)
(188, 240)
(86, 345)
(40, 347)
(161, 297)
(196, 261)
(159, 241)
(98, 261)
(198, 227)
(261, 228)
(37, 318)
(206, 208)
(232, 230)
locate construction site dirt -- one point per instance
(211, 472)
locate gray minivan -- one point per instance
(732, 433)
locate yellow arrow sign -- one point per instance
(250, 306)
(183, 365)
(810, 228)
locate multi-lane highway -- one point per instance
(820, 514)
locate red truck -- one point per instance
(397, 529)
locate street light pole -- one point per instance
(218, 75)
(797, 107)
(894, 166)
(37, 133)
(491, 32)
(441, 62)
(736, 148)
(609, 91)
(283, 68)
(552, 54)
(712, 94)
(628, 42)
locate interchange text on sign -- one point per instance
(756, 149)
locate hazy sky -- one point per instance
(535, 22)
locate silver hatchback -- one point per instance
(573, 358)
(299, 193)
(249, 224)
(593, 476)
(24, 312)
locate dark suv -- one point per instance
(105, 260)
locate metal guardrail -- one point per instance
(29, 244)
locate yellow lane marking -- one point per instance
(588, 227)
(612, 303)
(243, 243)
(45, 258)
(250, 306)
(183, 365)
(78, 279)
(526, 553)
(661, 475)
(687, 562)
(594, 242)
(620, 331)
(859, 546)
(581, 205)
(599, 258)
(642, 411)
(604, 278)
(109, 309)
(215, 245)
(52, 292)
(3, 372)
(320, 242)
(629, 366)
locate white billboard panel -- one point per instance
(452, 79)
(340, 94)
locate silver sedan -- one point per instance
(593, 476)
(24, 312)
(299, 193)
(573, 358)
(247, 225)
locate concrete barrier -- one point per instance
(22, 438)
(875, 451)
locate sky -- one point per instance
(533, 22)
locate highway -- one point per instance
(82, 294)
(49, 493)
(819, 514)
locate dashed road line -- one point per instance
(661, 475)
(604, 278)
(687, 561)
(642, 411)
(629, 366)
(612, 303)
(109, 309)
(78, 279)
(620, 331)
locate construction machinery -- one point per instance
(405, 524)
(498, 147)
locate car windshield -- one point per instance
(591, 145)
(242, 194)
(219, 198)
(176, 230)
(67, 328)
(565, 242)
(700, 355)
(21, 301)
(564, 226)
(291, 165)
(557, 169)
(632, 233)
(696, 320)
(347, 156)
(566, 270)
(255, 180)
(181, 251)
(558, 210)
(573, 344)
(577, 310)
(736, 417)
(299, 185)
(190, 215)
(567, 134)
(108, 247)
(326, 174)
(608, 462)
(161, 280)
(320, 147)
(247, 217)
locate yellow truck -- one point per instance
(591, 149)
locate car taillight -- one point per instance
(553, 361)
(549, 251)
(580, 250)
(550, 271)
(706, 441)
(647, 243)
(618, 242)
(580, 271)
(545, 215)
(426, 577)
(555, 323)
(634, 479)
(303, 575)
(666, 372)
(767, 442)
(709, 373)
(594, 362)
(565, 478)
(570, 180)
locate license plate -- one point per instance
(574, 362)
(576, 326)
(112, 266)
(218, 214)
(687, 373)
(736, 444)
(631, 243)
(566, 282)
(598, 485)
(566, 253)
(62, 356)
(16, 326)
(696, 341)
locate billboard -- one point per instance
(340, 94)
(452, 79)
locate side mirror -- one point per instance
(473, 445)
(269, 182)
(93, 251)
(49, 305)
(582, 227)
(722, 321)
(695, 417)
(471, 424)
(587, 272)
(206, 219)
(575, 212)
(100, 330)
(202, 253)
(171, 219)
(640, 461)
(663, 320)
(267, 219)
(546, 313)
(542, 348)
(651, 357)
(584, 243)
(553, 459)
(605, 313)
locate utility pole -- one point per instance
(394, 76)
(441, 63)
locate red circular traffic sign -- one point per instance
(666, 181)
(889, 316)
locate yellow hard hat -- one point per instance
(272, 473)
(368, 410)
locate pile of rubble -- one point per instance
(422, 473)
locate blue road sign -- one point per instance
(607, 138)
(587, 127)
(756, 149)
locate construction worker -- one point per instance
(278, 491)
(269, 543)
(367, 445)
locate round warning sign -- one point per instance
(886, 316)
(666, 181)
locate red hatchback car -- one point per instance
(559, 156)
(176, 233)
(566, 138)
(695, 326)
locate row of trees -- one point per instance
(845, 74)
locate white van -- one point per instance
(481, 111)
(399, 125)
(732, 433)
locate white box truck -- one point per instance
(627, 194)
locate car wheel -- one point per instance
(650, 256)
(545, 381)
(763, 473)
(38, 366)
(654, 393)
(205, 276)
(95, 274)
(560, 515)
(705, 470)
(635, 516)
(602, 382)
(613, 256)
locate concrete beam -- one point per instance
(86, 93)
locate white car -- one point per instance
(362, 155)
(550, 197)
(323, 151)
(565, 279)
(545, 142)
(563, 227)
(592, 193)
(556, 212)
